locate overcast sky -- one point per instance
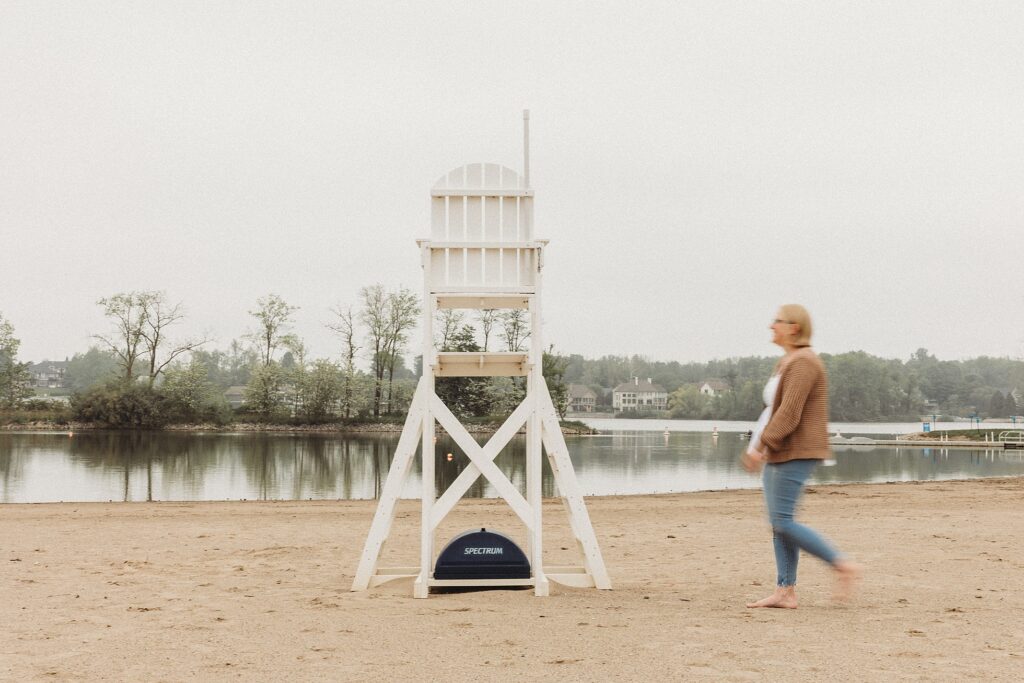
(695, 164)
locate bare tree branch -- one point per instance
(514, 328)
(488, 317)
(403, 309)
(346, 329)
(374, 315)
(451, 322)
(126, 341)
(157, 316)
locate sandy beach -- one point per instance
(259, 591)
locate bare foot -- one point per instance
(848, 574)
(784, 598)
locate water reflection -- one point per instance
(125, 466)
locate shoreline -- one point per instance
(758, 489)
(332, 428)
(259, 590)
(573, 428)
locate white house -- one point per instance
(235, 396)
(49, 374)
(713, 387)
(582, 399)
(640, 396)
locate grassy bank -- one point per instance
(40, 420)
(58, 416)
(960, 434)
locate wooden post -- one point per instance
(421, 587)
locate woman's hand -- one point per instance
(753, 460)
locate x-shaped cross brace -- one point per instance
(481, 461)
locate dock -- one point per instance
(923, 443)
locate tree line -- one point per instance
(280, 380)
(139, 371)
(862, 387)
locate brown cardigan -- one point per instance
(798, 428)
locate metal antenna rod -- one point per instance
(526, 147)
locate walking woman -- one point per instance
(790, 440)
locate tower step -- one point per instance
(481, 364)
(483, 301)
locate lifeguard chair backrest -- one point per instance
(487, 205)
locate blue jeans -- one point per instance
(783, 485)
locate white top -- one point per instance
(769, 400)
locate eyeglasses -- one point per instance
(784, 322)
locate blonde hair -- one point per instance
(798, 315)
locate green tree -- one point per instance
(487, 317)
(374, 315)
(447, 324)
(724, 405)
(158, 316)
(942, 380)
(264, 394)
(140, 323)
(388, 317)
(121, 406)
(92, 368)
(1010, 406)
(125, 340)
(854, 381)
(514, 328)
(403, 308)
(228, 368)
(320, 390)
(687, 402)
(15, 381)
(274, 319)
(190, 394)
(464, 396)
(554, 367)
(749, 401)
(996, 405)
(345, 327)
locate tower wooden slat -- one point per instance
(483, 302)
(481, 364)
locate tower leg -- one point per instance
(572, 497)
(421, 589)
(397, 474)
(534, 464)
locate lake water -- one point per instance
(877, 429)
(173, 466)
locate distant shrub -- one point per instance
(210, 411)
(41, 405)
(32, 410)
(189, 397)
(121, 406)
(56, 414)
(577, 426)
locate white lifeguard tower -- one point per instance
(482, 255)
